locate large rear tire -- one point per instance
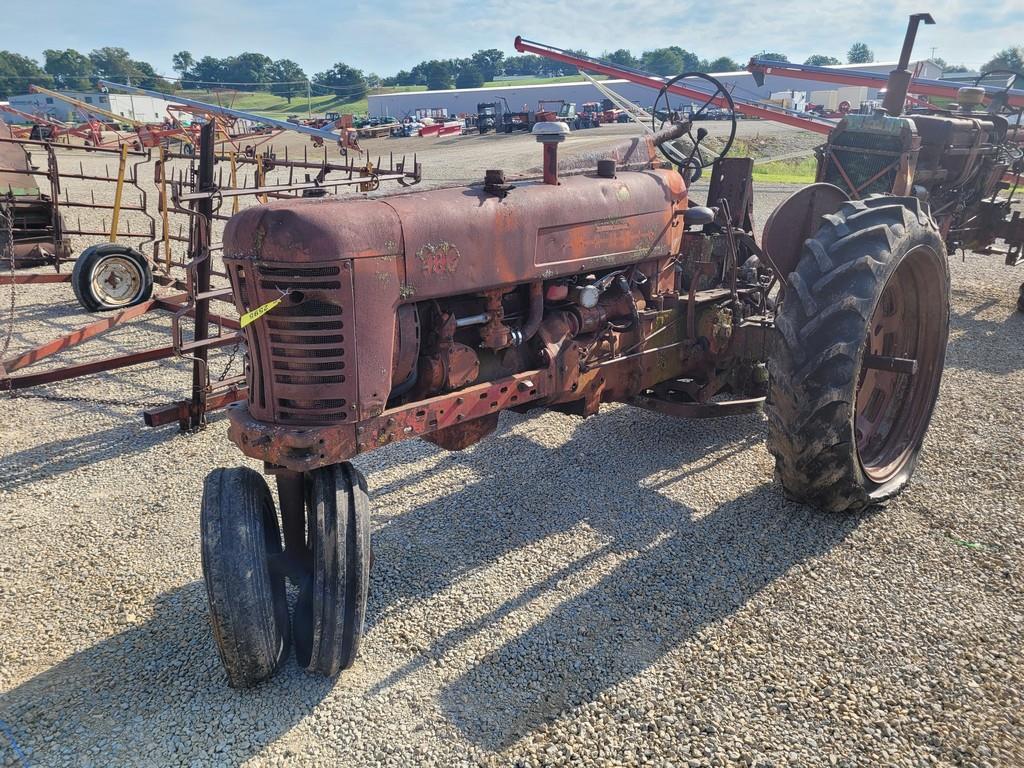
(862, 340)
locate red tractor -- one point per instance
(427, 314)
(593, 113)
(612, 114)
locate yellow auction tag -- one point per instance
(259, 312)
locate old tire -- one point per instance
(873, 280)
(1020, 299)
(248, 604)
(331, 607)
(111, 276)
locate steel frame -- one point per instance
(198, 194)
(918, 85)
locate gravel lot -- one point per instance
(624, 590)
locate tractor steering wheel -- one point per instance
(697, 157)
(1001, 98)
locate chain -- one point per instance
(231, 358)
(7, 254)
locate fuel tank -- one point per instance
(344, 266)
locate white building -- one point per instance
(142, 108)
(518, 97)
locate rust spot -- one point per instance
(259, 236)
(609, 224)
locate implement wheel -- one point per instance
(111, 276)
(248, 606)
(862, 332)
(329, 612)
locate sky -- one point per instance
(388, 35)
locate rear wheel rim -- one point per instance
(116, 281)
(892, 409)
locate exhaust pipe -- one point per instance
(899, 79)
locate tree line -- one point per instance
(74, 71)
(69, 69)
(256, 71)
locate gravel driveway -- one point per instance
(627, 589)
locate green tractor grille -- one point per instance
(869, 154)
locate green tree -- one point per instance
(954, 68)
(526, 65)
(208, 70)
(419, 73)
(346, 81)
(248, 70)
(438, 75)
(567, 69)
(691, 61)
(17, 72)
(469, 77)
(114, 64)
(70, 69)
(182, 63)
(772, 56)
(722, 64)
(146, 77)
(622, 57)
(489, 62)
(287, 79)
(663, 61)
(403, 77)
(1008, 58)
(859, 53)
(819, 60)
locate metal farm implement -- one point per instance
(179, 276)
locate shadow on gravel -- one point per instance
(715, 562)
(57, 457)
(88, 710)
(610, 476)
(988, 346)
(525, 492)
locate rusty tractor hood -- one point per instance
(465, 239)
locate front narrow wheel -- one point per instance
(331, 607)
(862, 329)
(248, 605)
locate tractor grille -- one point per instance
(863, 164)
(299, 368)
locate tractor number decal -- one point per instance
(439, 258)
(259, 312)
